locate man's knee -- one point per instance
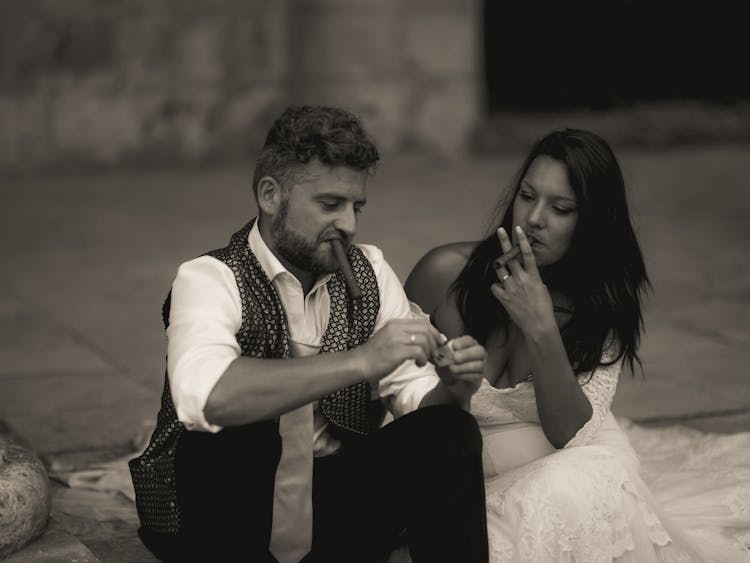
(454, 429)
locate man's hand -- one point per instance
(399, 340)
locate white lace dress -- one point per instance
(593, 501)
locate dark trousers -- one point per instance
(417, 480)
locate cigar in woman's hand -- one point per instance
(346, 268)
(444, 355)
(507, 257)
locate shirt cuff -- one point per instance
(193, 392)
(404, 389)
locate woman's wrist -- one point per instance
(541, 331)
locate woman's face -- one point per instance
(546, 209)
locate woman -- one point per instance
(559, 321)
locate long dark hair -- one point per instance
(602, 274)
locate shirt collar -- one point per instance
(268, 261)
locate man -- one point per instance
(269, 445)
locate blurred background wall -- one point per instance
(102, 82)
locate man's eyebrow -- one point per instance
(339, 197)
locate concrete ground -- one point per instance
(88, 258)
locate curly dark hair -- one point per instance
(332, 135)
(603, 273)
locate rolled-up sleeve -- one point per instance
(403, 389)
(205, 315)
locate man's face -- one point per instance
(322, 203)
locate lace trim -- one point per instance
(501, 549)
(600, 389)
(743, 542)
(656, 532)
(738, 501)
(492, 405)
(538, 502)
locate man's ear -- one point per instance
(270, 195)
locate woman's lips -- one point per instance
(533, 241)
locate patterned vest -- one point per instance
(263, 334)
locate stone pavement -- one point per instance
(87, 260)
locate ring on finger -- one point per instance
(412, 338)
(505, 277)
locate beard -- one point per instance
(299, 251)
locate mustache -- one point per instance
(338, 235)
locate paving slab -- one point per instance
(106, 522)
(32, 343)
(54, 546)
(68, 412)
(642, 399)
(701, 361)
(725, 422)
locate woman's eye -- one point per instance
(525, 196)
(329, 205)
(564, 210)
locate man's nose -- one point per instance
(346, 222)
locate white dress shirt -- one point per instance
(206, 313)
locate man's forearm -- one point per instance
(255, 389)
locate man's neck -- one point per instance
(306, 279)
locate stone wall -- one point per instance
(110, 82)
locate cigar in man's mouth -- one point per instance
(346, 268)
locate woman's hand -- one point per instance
(461, 378)
(520, 288)
(466, 369)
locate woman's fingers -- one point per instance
(505, 267)
(502, 273)
(505, 242)
(527, 254)
(514, 264)
(498, 291)
(474, 366)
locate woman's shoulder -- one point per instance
(443, 262)
(448, 256)
(429, 280)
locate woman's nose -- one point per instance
(536, 216)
